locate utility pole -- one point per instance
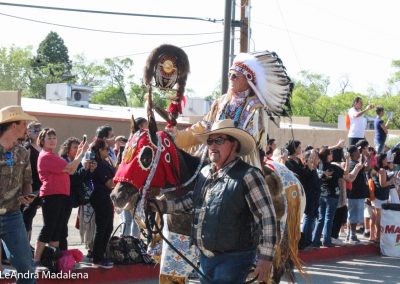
(233, 26)
(244, 28)
(226, 49)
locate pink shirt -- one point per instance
(50, 169)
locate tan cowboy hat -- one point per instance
(14, 113)
(227, 127)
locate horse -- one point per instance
(151, 160)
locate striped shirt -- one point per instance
(258, 199)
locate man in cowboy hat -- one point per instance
(15, 185)
(234, 217)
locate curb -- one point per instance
(342, 252)
(139, 272)
(134, 273)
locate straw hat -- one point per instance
(226, 126)
(14, 113)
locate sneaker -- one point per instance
(337, 242)
(367, 234)
(89, 254)
(105, 263)
(354, 240)
(360, 230)
(331, 245)
(39, 266)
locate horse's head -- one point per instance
(149, 160)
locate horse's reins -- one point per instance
(149, 217)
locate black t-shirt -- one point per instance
(34, 155)
(102, 174)
(359, 189)
(330, 185)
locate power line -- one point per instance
(184, 46)
(59, 64)
(289, 36)
(111, 13)
(325, 41)
(108, 31)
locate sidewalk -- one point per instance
(139, 273)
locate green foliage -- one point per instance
(14, 68)
(50, 65)
(88, 73)
(136, 96)
(109, 96)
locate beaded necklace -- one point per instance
(234, 109)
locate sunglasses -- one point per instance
(218, 141)
(233, 76)
(9, 159)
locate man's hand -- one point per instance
(26, 199)
(263, 267)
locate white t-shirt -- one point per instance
(357, 124)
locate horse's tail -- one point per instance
(293, 197)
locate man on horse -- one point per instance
(234, 217)
(258, 87)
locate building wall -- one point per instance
(77, 126)
(8, 98)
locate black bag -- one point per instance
(49, 258)
(127, 250)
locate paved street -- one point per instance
(359, 270)
(374, 269)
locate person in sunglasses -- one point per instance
(29, 211)
(15, 185)
(234, 217)
(250, 92)
(105, 132)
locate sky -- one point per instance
(357, 39)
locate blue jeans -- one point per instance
(13, 234)
(130, 228)
(379, 145)
(227, 267)
(308, 227)
(326, 212)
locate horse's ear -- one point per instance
(134, 126)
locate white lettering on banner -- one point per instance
(12, 274)
(390, 233)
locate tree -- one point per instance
(308, 91)
(110, 95)
(89, 74)
(50, 65)
(116, 74)
(15, 68)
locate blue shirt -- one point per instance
(380, 135)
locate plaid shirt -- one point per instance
(258, 199)
(15, 171)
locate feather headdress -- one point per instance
(268, 79)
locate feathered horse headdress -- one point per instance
(268, 79)
(167, 67)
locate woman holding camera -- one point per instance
(101, 202)
(68, 151)
(54, 174)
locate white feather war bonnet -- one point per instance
(267, 77)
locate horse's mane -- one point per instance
(191, 163)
